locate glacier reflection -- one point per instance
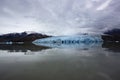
(82, 41)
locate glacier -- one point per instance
(76, 41)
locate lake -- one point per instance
(32, 62)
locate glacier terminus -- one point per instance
(76, 41)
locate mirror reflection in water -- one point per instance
(94, 61)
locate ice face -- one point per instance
(82, 41)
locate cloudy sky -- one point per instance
(59, 17)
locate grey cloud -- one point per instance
(54, 16)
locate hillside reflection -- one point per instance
(113, 47)
(22, 47)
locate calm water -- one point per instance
(30, 62)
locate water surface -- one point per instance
(31, 62)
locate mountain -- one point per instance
(111, 35)
(21, 37)
(113, 32)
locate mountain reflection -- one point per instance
(22, 47)
(114, 47)
(111, 46)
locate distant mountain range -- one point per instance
(21, 37)
(26, 37)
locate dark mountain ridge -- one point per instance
(111, 35)
(21, 37)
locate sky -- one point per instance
(59, 17)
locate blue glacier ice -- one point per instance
(79, 41)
